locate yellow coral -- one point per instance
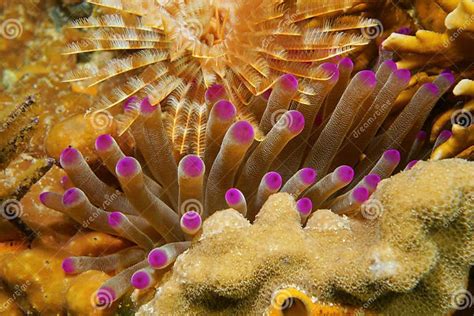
(416, 234)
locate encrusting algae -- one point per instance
(229, 158)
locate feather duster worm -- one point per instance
(179, 49)
(162, 204)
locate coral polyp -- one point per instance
(160, 203)
(179, 49)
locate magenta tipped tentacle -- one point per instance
(143, 278)
(191, 223)
(259, 161)
(146, 107)
(191, 171)
(215, 93)
(386, 165)
(236, 200)
(332, 136)
(302, 180)
(411, 164)
(350, 202)
(52, 200)
(122, 224)
(271, 183)
(163, 219)
(221, 117)
(366, 127)
(160, 258)
(409, 121)
(114, 288)
(330, 184)
(235, 145)
(443, 136)
(119, 260)
(82, 175)
(304, 206)
(283, 92)
(153, 141)
(289, 161)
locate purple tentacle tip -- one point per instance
(403, 74)
(431, 87)
(273, 180)
(308, 175)
(224, 110)
(404, 30)
(368, 77)
(360, 194)
(421, 135)
(103, 142)
(411, 164)
(214, 93)
(345, 173)
(69, 156)
(71, 196)
(448, 75)
(372, 180)
(192, 165)
(346, 62)
(295, 121)
(242, 132)
(127, 167)
(304, 206)
(331, 69)
(105, 296)
(68, 266)
(266, 94)
(191, 220)
(157, 258)
(141, 280)
(289, 82)
(233, 196)
(445, 135)
(115, 219)
(43, 196)
(129, 104)
(146, 107)
(392, 155)
(390, 64)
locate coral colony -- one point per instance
(253, 168)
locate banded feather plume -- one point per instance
(173, 51)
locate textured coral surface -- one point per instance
(419, 251)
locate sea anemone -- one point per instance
(180, 49)
(160, 204)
